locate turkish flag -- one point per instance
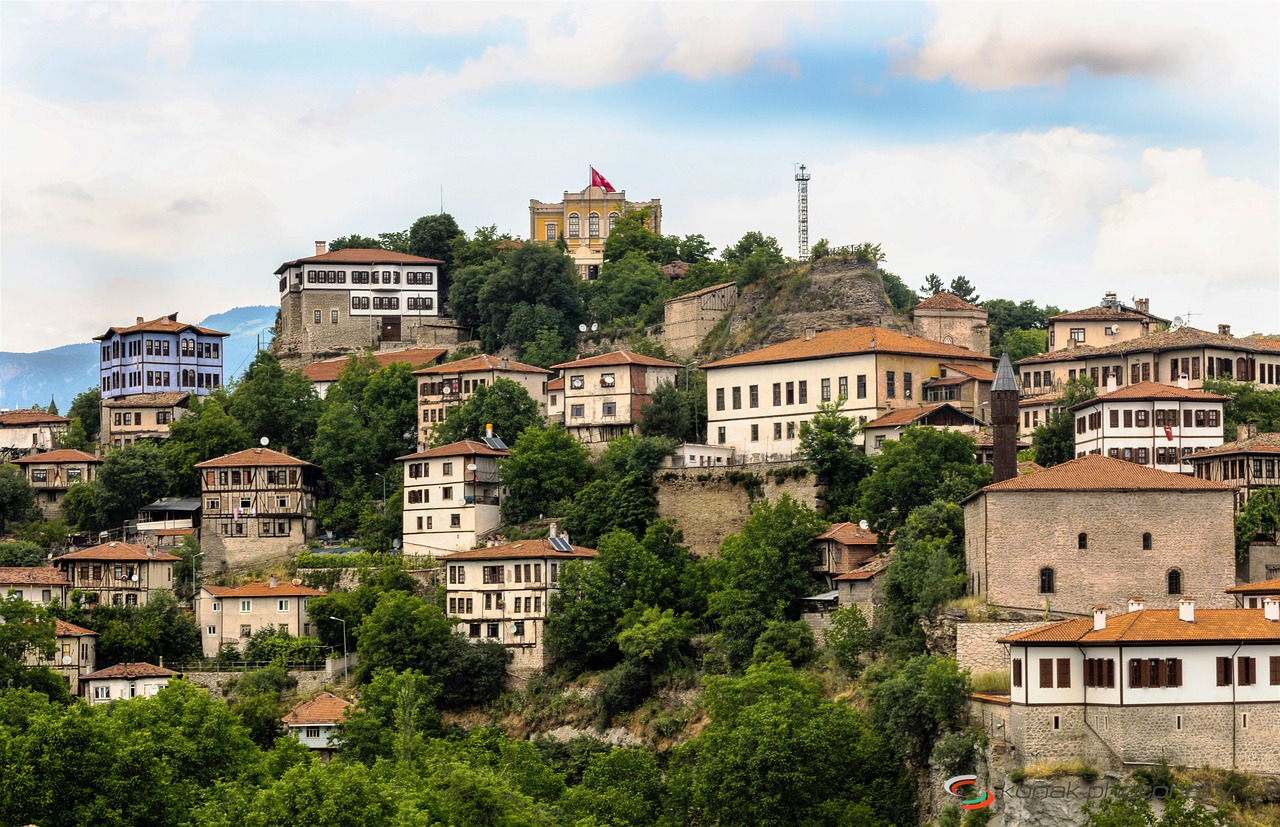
(598, 180)
(1168, 433)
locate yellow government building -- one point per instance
(583, 219)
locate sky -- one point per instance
(162, 157)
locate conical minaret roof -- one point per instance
(1006, 379)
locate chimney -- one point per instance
(1142, 305)
(1224, 330)
(553, 532)
(488, 430)
(1246, 430)
(1110, 386)
(151, 551)
(320, 247)
(1271, 609)
(505, 364)
(1184, 381)
(1137, 604)
(139, 320)
(809, 333)
(273, 582)
(1187, 610)
(1099, 618)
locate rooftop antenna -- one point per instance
(802, 209)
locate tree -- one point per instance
(282, 406)
(86, 420)
(1024, 343)
(631, 236)
(828, 444)
(546, 467)
(25, 629)
(925, 572)
(868, 253)
(917, 703)
(1127, 805)
(754, 256)
(849, 638)
(395, 712)
(19, 553)
(130, 478)
(1258, 520)
(257, 697)
(504, 404)
(147, 633)
(628, 503)
(961, 288)
(17, 497)
(820, 249)
(207, 432)
(629, 287)
(669, 413)
(1055, 440)
(902, 298)
(933, 284)
(547, 348)
(433, 236)
(484, 245)
(694, 249)
(1005, 316)
(83, 508)
(355, 241)
(1248, 405)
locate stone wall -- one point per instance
(708, 508)
(1263, 563)
(820, 623)
(976, 647)
(686, 320)
(248, 553)
(309, 682)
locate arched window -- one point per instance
(1082, 540)
(1174, 578)
(1146, 541)
(1046, 580)
(573, 225)
(593, 225)
(613, 219)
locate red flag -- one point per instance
(1168, 433)
(598, 180)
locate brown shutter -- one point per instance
(1160, 676)
(1224, 671)
(1046, 673)
(1017, 671)
(1064, 673)
(1275, 670)
(1135, 673)
(1111, 673)
(1242, 671)
(1088, 672)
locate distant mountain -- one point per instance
(62, 373)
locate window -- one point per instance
(1173, 581)
(573, 232)
(737, 399)
(1155, 673)
(246, 606)
(607, 380)
(719, 399)
(1146, 541)
(211, 630)
(791, 393)
(492, 630)
(826, 390)
(316, 317)
(777, 430)
(720, 435)
(1046, 580)
(517, 629)
(313, 732)
(791, 430)
(1224, 671)
(576, 411)
(804, 392)
(446, 493)
(577, 382)
(473, 630)
(1100, 672)
(1246, 671)
(1082, 540)
(1046, 673)
(455, 521)
(217, 605)
(753, 396)
(246, 630)
(333, 317)
(1064, 673)
(101, 693)
(755, 433)
(1275, 670)
(906, 385)
(550, 234)
(890, 385)
(1077, 334)
(1017, 671)
(282, 605)
(1141, 419)
(493, 574)
(593, 226)
(446, 468)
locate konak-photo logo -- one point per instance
(965, 788)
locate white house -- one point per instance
(452, 497)
(312, 722)
(234, 615)
(604, 395)
(41, 585)
(27, 431)
(1156, 425)
(126, 680)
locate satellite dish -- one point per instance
(594, 327)
(66, 660)
(582, 328)
(1115, 328)
(446, 390)
(471, 466)
(264, 442)
(134, 578)
(864, 525)
(297, 581)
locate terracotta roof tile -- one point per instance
(325, 708)
(60, 455)
(979, 373)
(281, 589)
(483, 363)
(164, 324)
(330, 369)
(1107, 313)
(556, 384)
(34, 575)
(116, 551)
(945, 301)
(1264, 443)
(463, 448)
(846, 342)
(1153, 392)
(713, 288)
(1040, 399)
(359, 255)
(849, 534)
(1263, 587)
(618, 357)
(256, 457)
(62, 628)
(166, 399)
(29, 417)
(906, 416)
(868, 570)
(130, 670)
(1157, 626)
(522, 549)
(1098, 473)
(1029, 467)
(1183, 337)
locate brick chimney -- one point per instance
(1142, 305)
(1271, 609)
(1246, 430)
(1099, 618)
(140, 320)
(1187, 610)
(1137, 604)
(321, 247)
(809, 333)
(1224, 330)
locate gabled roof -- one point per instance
(980, 373)
(483, 363)
(33, 575)
(876, 565)
(523, 549)
(907, 416)
(30, 417)
(1102, 312)
(60, 455)
(1263, 587)
(117, 551)
(1098, 473)
(1157, 626)
(164, 399)
(359, 255)
(848, 342)
(329, 370)
(129, 671)
(281, 589)
(164, 324)
(1152, 392)
(945, 301)
(1264, 443)
(713, 288)
(463, 448)
(325, 708)
(1183, 337)
(556, 384)
(849, 534)
(252, 457)
(618, 357)
(62, 628)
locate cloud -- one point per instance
(167, 26)
(189, 206)
(990, 46)
(66, 189)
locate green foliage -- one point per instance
(17, 497)
(902, 298)
(631, 287)
(622, 689)
(621, 786)
(828, 444)
(83, 508)
(282, 406)
(1024, 343)
(1055, 440)
(820, 249)
(631, 236)
(434, 236)
(1258, 520)
(354, 241)
(669, 412)
(86, 409)
(25, 629)
(933, 284)
(128, 634)
(849, 638)
(130, 478)
(657, 639)
(395, 712)
(917, 702)
(624, 496)
(868, 253)
(956, 752)
(205, 433)
(189, 564)
(1004, 317)
(962, 289)
(792, 639)
(279, 648)
(257, 698)
(547, 348)
(1249, 404)
(754, 256)
(925, 572)
(19, 553)
(1127, 806)
(505, 404)
(544, 470)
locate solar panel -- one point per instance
(495, 443)
(560, 544)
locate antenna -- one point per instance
(802, 210)
(594, 327)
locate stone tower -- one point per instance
(1004, 421)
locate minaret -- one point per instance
(1004, 421)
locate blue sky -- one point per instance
(162, 157)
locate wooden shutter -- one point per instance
(1064, 673)
(1088, 672)
(1247, 671)
(1135, 673)
(1159, 672)
(1175, 671)
(1111, 673)
(1224, 671)
(1017, 671)
(1046, 673)
(1275, 670)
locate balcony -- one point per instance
(481, 499)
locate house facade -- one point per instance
(233, 615)
(945, 317)
(312, 722)
(126, 680)
(130, 419)
(29, 431)
(604, 395)
(258, 505)
(501, 594)
(74, 654)
(446, 386)
(687, 319)
(452, 497)
(1190, 686)
(843, 548)
(944, 417)
(53, 472)
(159, 356)
(757, 400)
(117, 573)
(39, 585)
(1034, 411)
(1107, 323)
(584, 219)
(1250, 462)
(324, 373)
(1099, 530)
(1160, 426)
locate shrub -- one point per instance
(622, 689)
(955, 752)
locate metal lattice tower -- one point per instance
(802, 208)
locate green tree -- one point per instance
(694, 249)
(669, 413)
(146, 633)
(868, 253)
(631, 236)
(83, 507)
(754, 256)
(1055, 440)
(434, 236)
(25, 629)
(396, 711)
(621, 786)
(1258, 520)
(17, 497)
(1248, 404)
(86, 417)
(130, 478)
(281, 405)
(505, 404)
(483, 246)
(902, 298)
(546, 467)
(828, 443)
(547, 348)
(917, 703)
(258, 699)
(355, 241)
(926, 571)
(629, 287)
(1005, 316)
(19, 553)
(1024, 343)
(933, 284)
(1128, 806)
(849, 638)
(207, 432)
(961, 288)
(820, 249)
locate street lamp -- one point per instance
(344, 645)
(384, 491)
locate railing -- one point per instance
(481, 499)
(155, 525)
(213, 665)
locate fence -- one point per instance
(213, 665)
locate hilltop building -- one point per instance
(53, 472)
(604, 395)
(445, 386)
(1250, 462)
(160, 356)
(583, 219)
(452, 496)
(1108, 323)
(687, 319)
(121, 574)
(258, 506)
(945, 317)
(74, 654)
(141, 416)
(1156, 425)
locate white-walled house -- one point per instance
(233, 616)
(126, 680)
(604, 395)
(39, 585)
(1156, 425)
(1189, 685)
(312, 722)
(446, 386)
(452, 497)
(30, 431)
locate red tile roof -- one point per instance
(359, 255)
(1098, 473)
(556, 384)
(463, 448)
(257, 457)
(1157, 626)
(945, 301)
(62, 628)
(713, 288)
(165, 399)
(906, 416)
(1263, 587)
(330, 369)
(1152, 392)
(129, 671)
(1264, 443)
(29, 417)
(483, 363)
(325, 708)
(60, 455)
(979, 373)
(116, 551)
(618, 357)
(1106, 313)
(164, 324)
(849, 534)
(868, 570)
(33, 575)
(1041, 399)
(522, 549)
(848, 342)
(1182, 338)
